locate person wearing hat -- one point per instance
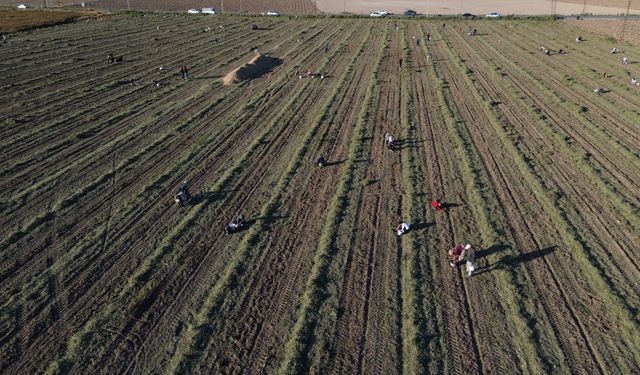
(470, 257)
(464, 254)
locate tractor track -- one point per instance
(160, 198)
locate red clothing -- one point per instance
(437, 205)
(457, 251)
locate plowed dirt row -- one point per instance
(101, 272)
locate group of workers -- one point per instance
(460, 254)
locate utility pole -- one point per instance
(624, 23)
(128, 6)
(222, 5)
(584, 7)
(344, 7)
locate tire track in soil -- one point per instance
(581, 134)
(221, 111)
(458, 319)
(80, 147)
(309, 198)
(84, 99)
(169, 153)
(575, 184)
(494, 170)
(256, 184)
(380, 331)
(513, 118)
(314, 200)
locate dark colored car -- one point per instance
(410, 13)
(467, 15)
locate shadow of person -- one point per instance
(331, 163)
(512, 261)
(492, 250)
(420, 226)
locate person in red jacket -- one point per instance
(437, 205)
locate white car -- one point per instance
(493, 15)
(272, 13)
(377, 13)
(21, 6)
(193, 11)
(208, 11)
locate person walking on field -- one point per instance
(470, 257)
(185, 72)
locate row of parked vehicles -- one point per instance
(202, 11)
(213, 11)
(413, 13)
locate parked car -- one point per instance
(376, 14)
(410, 13)
(193, 11)
(468, 15)
(272, 13)
(493, 15)
(22, 6)
(208, 11)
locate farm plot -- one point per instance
(101, 272)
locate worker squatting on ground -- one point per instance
(438, 205)
(236, 225)
(464, 254)
(389, 141)
(578, 39)
(625, 61)
(402, 228)
(182, 196)
(614, 50)
(321, 162)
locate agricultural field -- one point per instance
(101, 272)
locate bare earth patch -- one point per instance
(613, 28)
(12, 20)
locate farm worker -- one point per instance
(326, 48)
(400, 64)
(579, 39)
(634, 81)
(185, 72)
(456, 255)
(437, 205)
(614, 50)
(417, 41)
(470, 257)
(320, 162)
(402, 228)
(428, 37)
(625, 60)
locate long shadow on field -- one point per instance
(420, 226)
(512, 261)
(492, 250)
(209, 196)
(268, 221)
(408, 143)
(337, 162)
